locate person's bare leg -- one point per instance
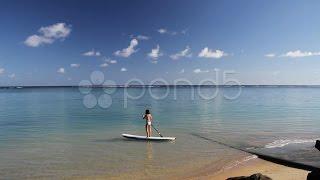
(147, 131)
(150, 131)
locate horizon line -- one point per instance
(171, 85)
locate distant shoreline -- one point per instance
(164, 86)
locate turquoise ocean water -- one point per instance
(50, 133)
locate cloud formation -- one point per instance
(184, 53)
(129, 50)
(155, 53)
(92, 53)
(123, 69)
(140, 37)
(166, 31)
(111, 61)
(173, 33)
(2, 70)
(208, 53)
(104, 65)
(35, 41)
(162, 31)
(270, 55)
(197, 71)
(49, 34)
(61, 70)
(12, 76)
(75, 65)
(298, 53)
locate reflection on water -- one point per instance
(149, 151)
(148, 160)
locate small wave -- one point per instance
(250, 148)
(243, 160)
(284, 142)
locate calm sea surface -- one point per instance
(50, 133)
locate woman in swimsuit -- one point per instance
(148, 118)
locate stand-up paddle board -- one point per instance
(152, 138)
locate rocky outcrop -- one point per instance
(257, 176)
(313, 175)
(317, 145)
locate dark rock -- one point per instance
(313, 175)
(257, 176)
(317, 145)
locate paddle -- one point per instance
(157, 131)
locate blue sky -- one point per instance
(62, 43)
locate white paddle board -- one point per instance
(152, 138)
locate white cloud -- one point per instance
(129, 50)
(35, 41)
(298, 53)
(208, 53)
(12, 76)
(56, 31)
(270, 55)
(111, 61)
(92, 53)
(74, 65)
(140, 37)
(61, 70)
(184, 53)
(123, 69)
(173, 33)
(104, 65)
(162, 31)
(166, 31)
(155, 53)
(294, 54)
(182, 71)
(200, 71)
(2, 70)
(48, 34)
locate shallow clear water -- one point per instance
(49, 132)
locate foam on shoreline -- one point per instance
(241, 161)
(285, 142)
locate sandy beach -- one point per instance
(243, 168)
(269, 169)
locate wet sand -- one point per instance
(248, 168)
(244, 168)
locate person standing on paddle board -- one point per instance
(148, 117)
